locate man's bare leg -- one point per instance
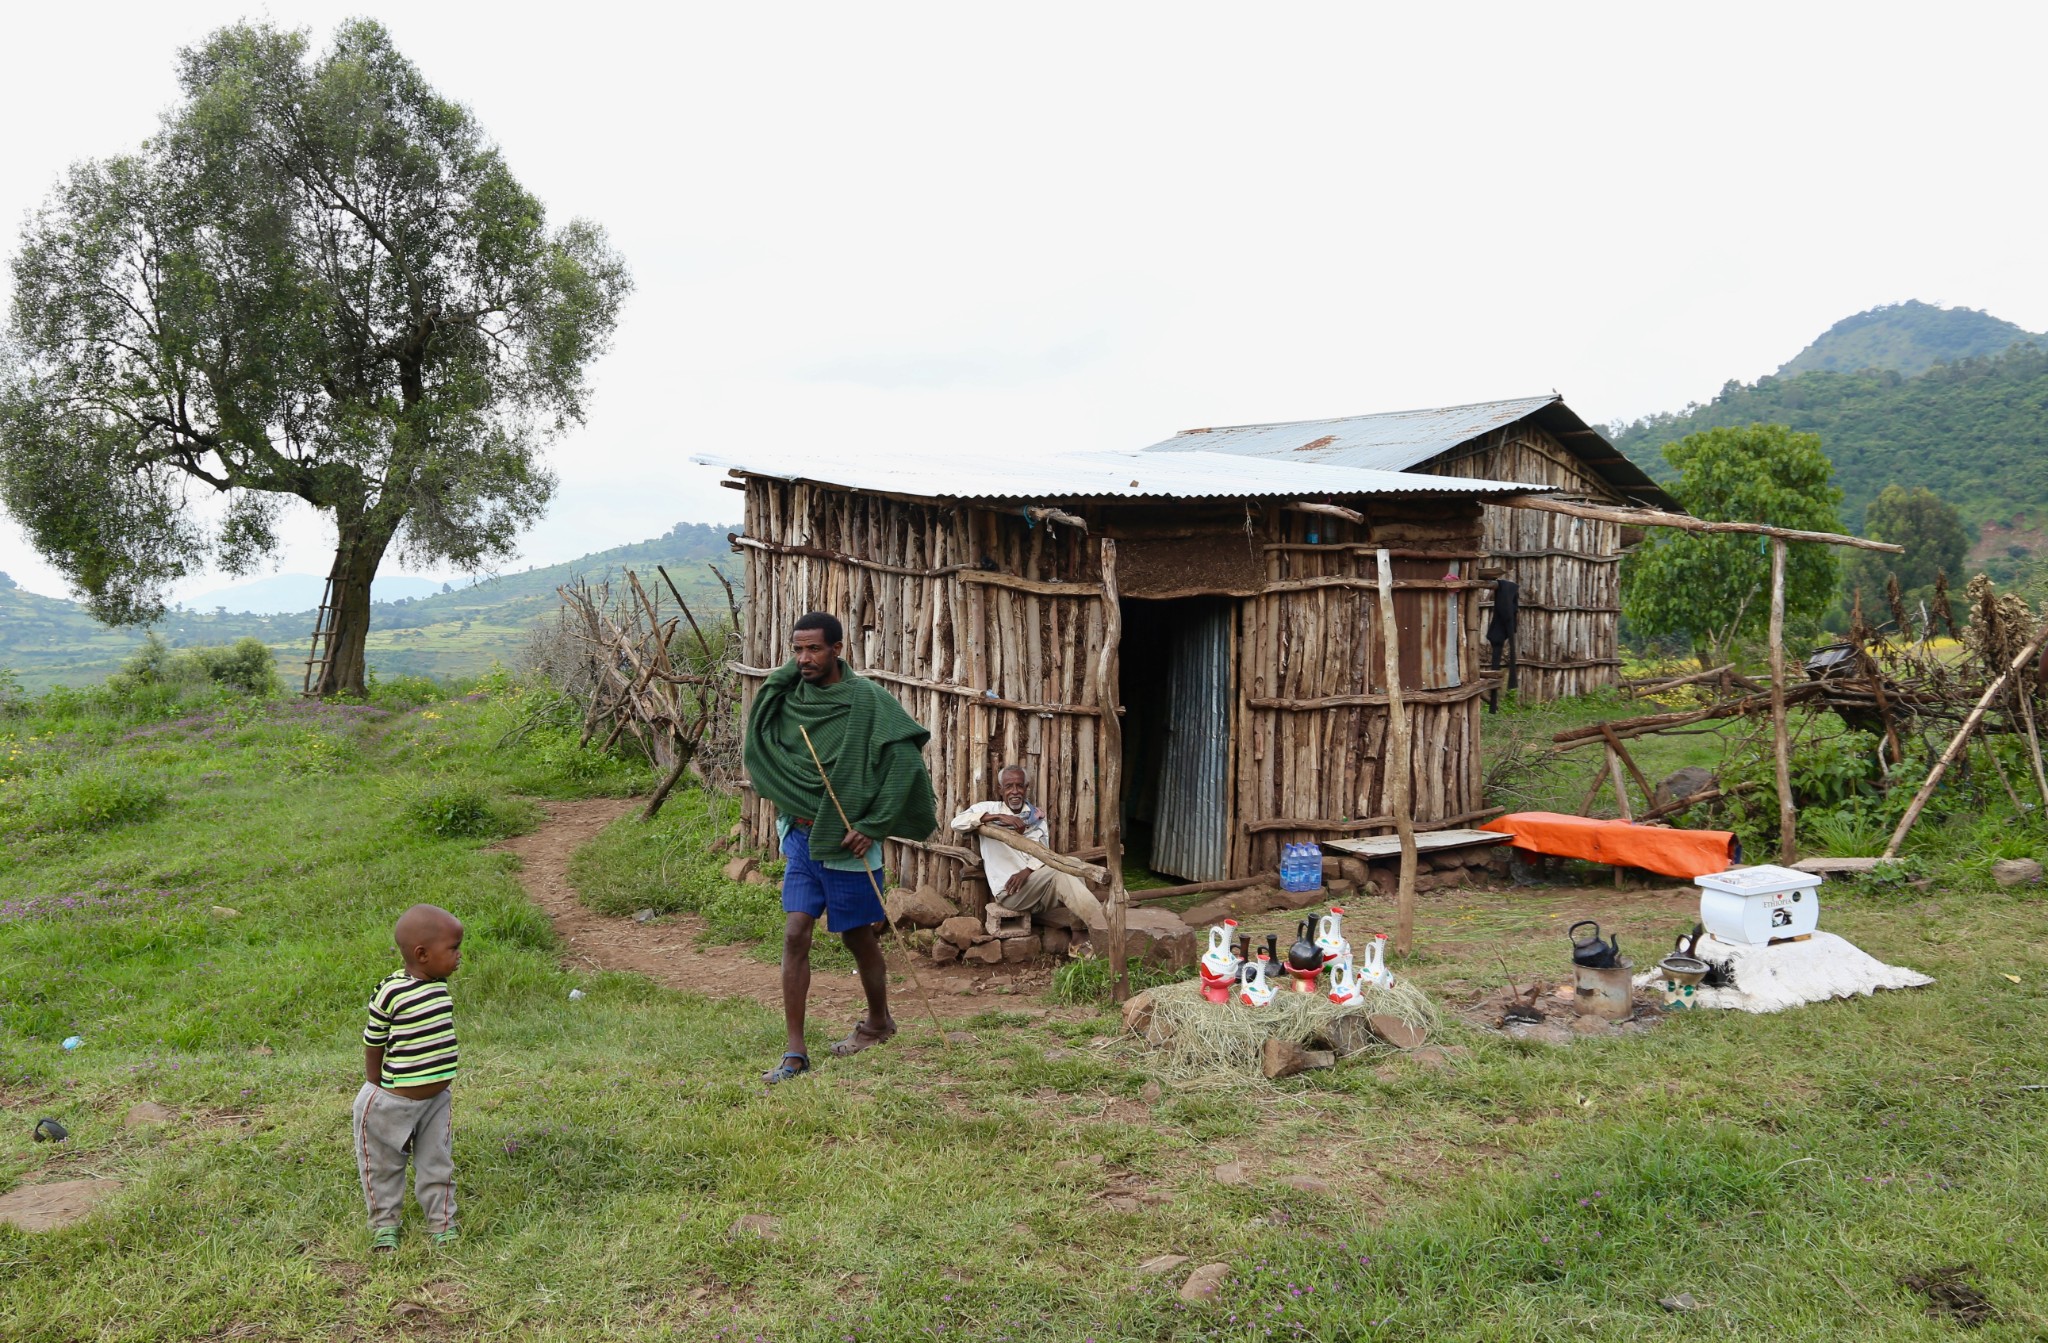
(866, 945)
(1075, 895)
(796, 976)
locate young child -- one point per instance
(409, 1059)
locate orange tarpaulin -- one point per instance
(1674, 853)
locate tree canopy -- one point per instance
(317, 280)
(1714, 589)
(1931, 530)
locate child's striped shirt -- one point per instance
(414, 1022)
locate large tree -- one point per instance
(317, 280)
(1714, 588)
(1928, 526)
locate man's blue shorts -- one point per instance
(847, 900)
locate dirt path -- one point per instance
(672, 952)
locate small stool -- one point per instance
(1003, 922)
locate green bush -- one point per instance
(404, 692)
(459, 809)
(80, 800)
(245, 665)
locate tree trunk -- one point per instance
(356, 557)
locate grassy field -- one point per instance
(1788, 1172)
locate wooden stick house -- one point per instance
(1247, 682)
(1566, 568)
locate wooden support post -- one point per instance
(1620, 803)
(1642, 781)
(2026, 699)
(1398, 759)
(1927, 788)
(1781, 740)
(1110, 769)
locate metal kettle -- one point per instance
(1594, 952)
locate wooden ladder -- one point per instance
(323, 636)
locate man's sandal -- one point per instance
(444, 1239)
(861, 1039)
(384, 1240)
(782, 1072)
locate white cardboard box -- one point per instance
(1750, 906)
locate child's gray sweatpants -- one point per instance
(386, 1126)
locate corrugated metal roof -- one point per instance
(1097, 475)
(1400, 440)
(1393, 441)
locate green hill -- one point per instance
(1974, 432)
(1908, 338)
(461, 632)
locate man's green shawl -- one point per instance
(871, 749)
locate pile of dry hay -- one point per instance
(1198, 1037)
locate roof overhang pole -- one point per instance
(1333, 510)
(1651, 517)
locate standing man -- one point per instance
(871, 750)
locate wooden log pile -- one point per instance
(653, 674)
(1902, 689)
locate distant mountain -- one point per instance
(281, 593)
(1974, 431)
(1908, 338)
(462, 632)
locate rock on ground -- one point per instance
(1205, 1283)
(961, 930)
(1231, 1173)
(1395, 1031)
(1159, 937)
(921, 908)
(1284, 1058)
(738, 868)
(2015, 871)
(47, 1207)
(1686, 782)
(1165, 1263)
(143, 1113)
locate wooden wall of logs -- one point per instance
(988, 624)
(1568, 568)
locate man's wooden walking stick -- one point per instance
(902, 946)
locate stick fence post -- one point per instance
(1788, 817)
(1110, 741)
(1400, 762)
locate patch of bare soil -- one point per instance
(1952, 1295)
(61, 1203)
(671, 950)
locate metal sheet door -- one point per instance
(1190, 839)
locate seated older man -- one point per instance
(1018, 881)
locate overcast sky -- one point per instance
(993, 229)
